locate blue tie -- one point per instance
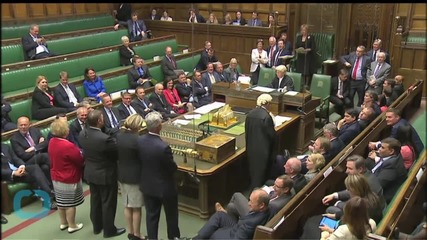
(141, 71)
(134, 29)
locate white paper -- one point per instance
(209, 107)
(263, 89)
(181, 122)
(192, 116)
(115, 95)
(39, 49)
(286, 57)
(327, 172)
(156, 58)
(291, 93)
(301, 157)
(267, 189)
(244, 79)
(278, 120)
(330, 61)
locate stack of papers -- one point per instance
(208, 108)
(291, 93)
(278, 120)
(192, 116)
(263, 89)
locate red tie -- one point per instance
(271, 56)
(356, 66)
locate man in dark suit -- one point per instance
(141, 103)
(139, 74)
(100, 155)
(154, 15)
(348, 126)
(207, 56)
(35, 46)
(79, 124)
(279, 194)
(210, 75)
(168, 64)
(398, 87)
(340, 92)
(126, 107)
(376, 48)
(13, 169)
(184, 88)
(377, 73)
(195, 17)
(331, 132)
(160, 104)
(293, 170)
(358, 62)
(219, 69)
(321, 145)
(111, 116)
(366, 116)
(136, 28)
(6, 121)
(281, 51)
(202, 90)
(255, 21)
(122, 14)
(157, 179)
(389, 168)
(356, 164)
(271, 49)
(65, 94)
(30, 146)
(223, 226)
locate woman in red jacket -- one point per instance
(172, 96)
(66, 171)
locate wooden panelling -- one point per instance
(91, 7)
(402, 9)
(419, 10)
(37, 10)
(80, 8)
(232, 8)
(21, 11)
(418, 24)
(419, 59)
(66, 9)
(218, 6)
(263, 7)
(105, 7)
(52, 10)
(248, 8)
(408, 56)
(6, 11)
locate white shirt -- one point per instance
(71, 97)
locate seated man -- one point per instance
(281, 80)
(321, 145)
(388, 167)
(168, 64)
(160, 103)
(293, 170)
(184, 88)
(126, 107)
(398, 87)
(366, 116)
(136, 28)
(139, 74)
(330, 131)
(219, 68)
(348, 126)
(356, 164)
(111, 116)
(202, 90)
(279, 194)
(35, 46)
(30, 146)
(207, 56)
(65, 94)
(340, 92)
(6, 121)
(79, 124)
(210, 75)
(223, 226)
(141, 103)
(13, 169)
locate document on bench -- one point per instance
(209, 107)
(192, 116)
(279, 120)
(263, 89)
(181, 122)
(291, 93)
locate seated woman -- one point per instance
(227, 19)
(356, 223)
(172, 97)
(126, 52)
(271, 20)
(407, 150)
(315, 162)
(94, 85)
(281, 80)
(42, 106)
(212, 19)
(165, 16)
(231, 73)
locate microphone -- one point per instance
(194, 175)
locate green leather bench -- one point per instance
(9, 32)
(265, 76)
(23, 80)
(15, 53)
(325, 48)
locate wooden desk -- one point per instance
(218, 182)
(301, 104)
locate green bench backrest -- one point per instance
(69, 25)
(15, 53)
(115, 84)
(188, 64)
(20, 108)
(147, 52)
(265, 76)
(325, 47)
(297, 80)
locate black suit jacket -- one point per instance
(299, 182)
(286, 81)
(158, 167)
(280, 53)
(391, 174)
(108, 129)
(20, 144)
(126, 55)
(334, 87)
(29, 46)
(129, 165)
(370, 54)
(133, 76)
(162, 106)
(60, 97)
(242, 21)
(39, 101)
(349, 131)
(184, 91)
(5, 109)
(8, 156)
(123, 111)
(100, 155)
(245, 227)
(201, 96)
(204, 60)
(140, 107)
(75, 129)
(351, 58)
(168, 67)
(156, 17)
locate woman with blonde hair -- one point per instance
(227, 19)
(42, 104)
(315, 162)
(212, 19)
(129, 173)
(66, 170)
(356, 223)
(231, 73)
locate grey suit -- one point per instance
(168, 65)
(380, 75)
(258, 23)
